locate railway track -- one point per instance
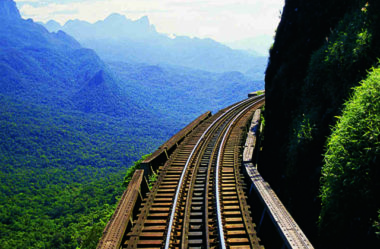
(199, 198)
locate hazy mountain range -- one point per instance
(257, 46)
(117, 38)
(72, 122)
(53, 68)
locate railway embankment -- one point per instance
(149, 226)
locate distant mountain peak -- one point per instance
(8, 10)
(115, 17)
(75, 22)
(143, 20)
(52, 26)
(52, 22)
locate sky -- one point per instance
(225, 21)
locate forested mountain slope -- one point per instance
(322, 50)
(67, 135)
(178, 93)
(53, 68)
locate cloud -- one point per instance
(222, 20)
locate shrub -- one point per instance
(351, 175)
(132, 169)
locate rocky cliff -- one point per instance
(322, 50)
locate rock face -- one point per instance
(8, 10)
(322, 50)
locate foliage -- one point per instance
(61, 173)
(351, 174)
(260, 140)
(131, 170)
(303, 135)
(321, 52)
(260, 92)
(342, 61)
(338, 65)
(152, 179)
(262, 117)
(305, 130)
(376, 225)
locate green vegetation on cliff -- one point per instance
(322, 50)
(351, 174)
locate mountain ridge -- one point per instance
(54, 68)
(117, 38)
(8, 10)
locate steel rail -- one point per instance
(207, 143)
(218, 208)
(175, 202)
(189, 201)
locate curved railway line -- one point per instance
(198, 200)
